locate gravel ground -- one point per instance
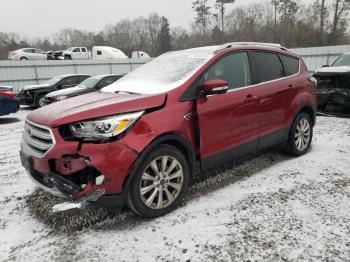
(263, 207)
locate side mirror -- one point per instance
(325, 66)
(214, 87)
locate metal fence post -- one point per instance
(328, 54)
(36, 73)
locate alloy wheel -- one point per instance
(161, 182)
(302, 134)
(42, 102)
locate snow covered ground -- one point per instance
(264, 207)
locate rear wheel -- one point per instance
(300, 135)
(159, 183)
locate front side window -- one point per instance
(90, 82)
(291, 65)
(233, 68)
(38, 51)
(29, 50)
(68, 81)
(76, 50)
(268, 66)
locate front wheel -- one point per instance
(159, 183)
(40, 101)
(300, 135)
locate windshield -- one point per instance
(54, 80)
(70, 49)
(164, 73)
(90, 82)
(343, 60)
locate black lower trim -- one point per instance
(265, 142)
(227, 155)
(273, 139)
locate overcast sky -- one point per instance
(45, 17)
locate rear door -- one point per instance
(84, 53)
(276, 88)
(76, 53)
(229, 123)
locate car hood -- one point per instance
(70, 91)
(33, 87)
(333, 71)
(92, 105)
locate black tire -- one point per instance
(37, 101)
(67, 57)
(136, 201)
(292, 144)
(23, 58)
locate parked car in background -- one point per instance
(91, 84)
(334, 83)
(8, 101)
(140, 140)
(33, 95)
(76, 53)
(107, 52)
(27, 54)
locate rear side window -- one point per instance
(233, 68)
(268, 66)
(291, 65)
(83, 49)
(81, 79)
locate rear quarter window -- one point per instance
(268, 66)
(291, 65)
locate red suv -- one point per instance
(140, 140)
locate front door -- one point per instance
(229, 123)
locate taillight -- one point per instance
(7, 94)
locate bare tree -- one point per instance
(202, 9)
(220, 5)
(340, 8)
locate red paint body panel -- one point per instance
(93, 105)
(225, 121)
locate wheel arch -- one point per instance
(173, 139)
(307, 109)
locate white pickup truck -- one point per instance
(76, 53)
(99, 52)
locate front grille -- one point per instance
(37, 139)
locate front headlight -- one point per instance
(106, 127)
(60, 98)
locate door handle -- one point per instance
(250, 98)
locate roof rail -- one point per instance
(228, 45)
